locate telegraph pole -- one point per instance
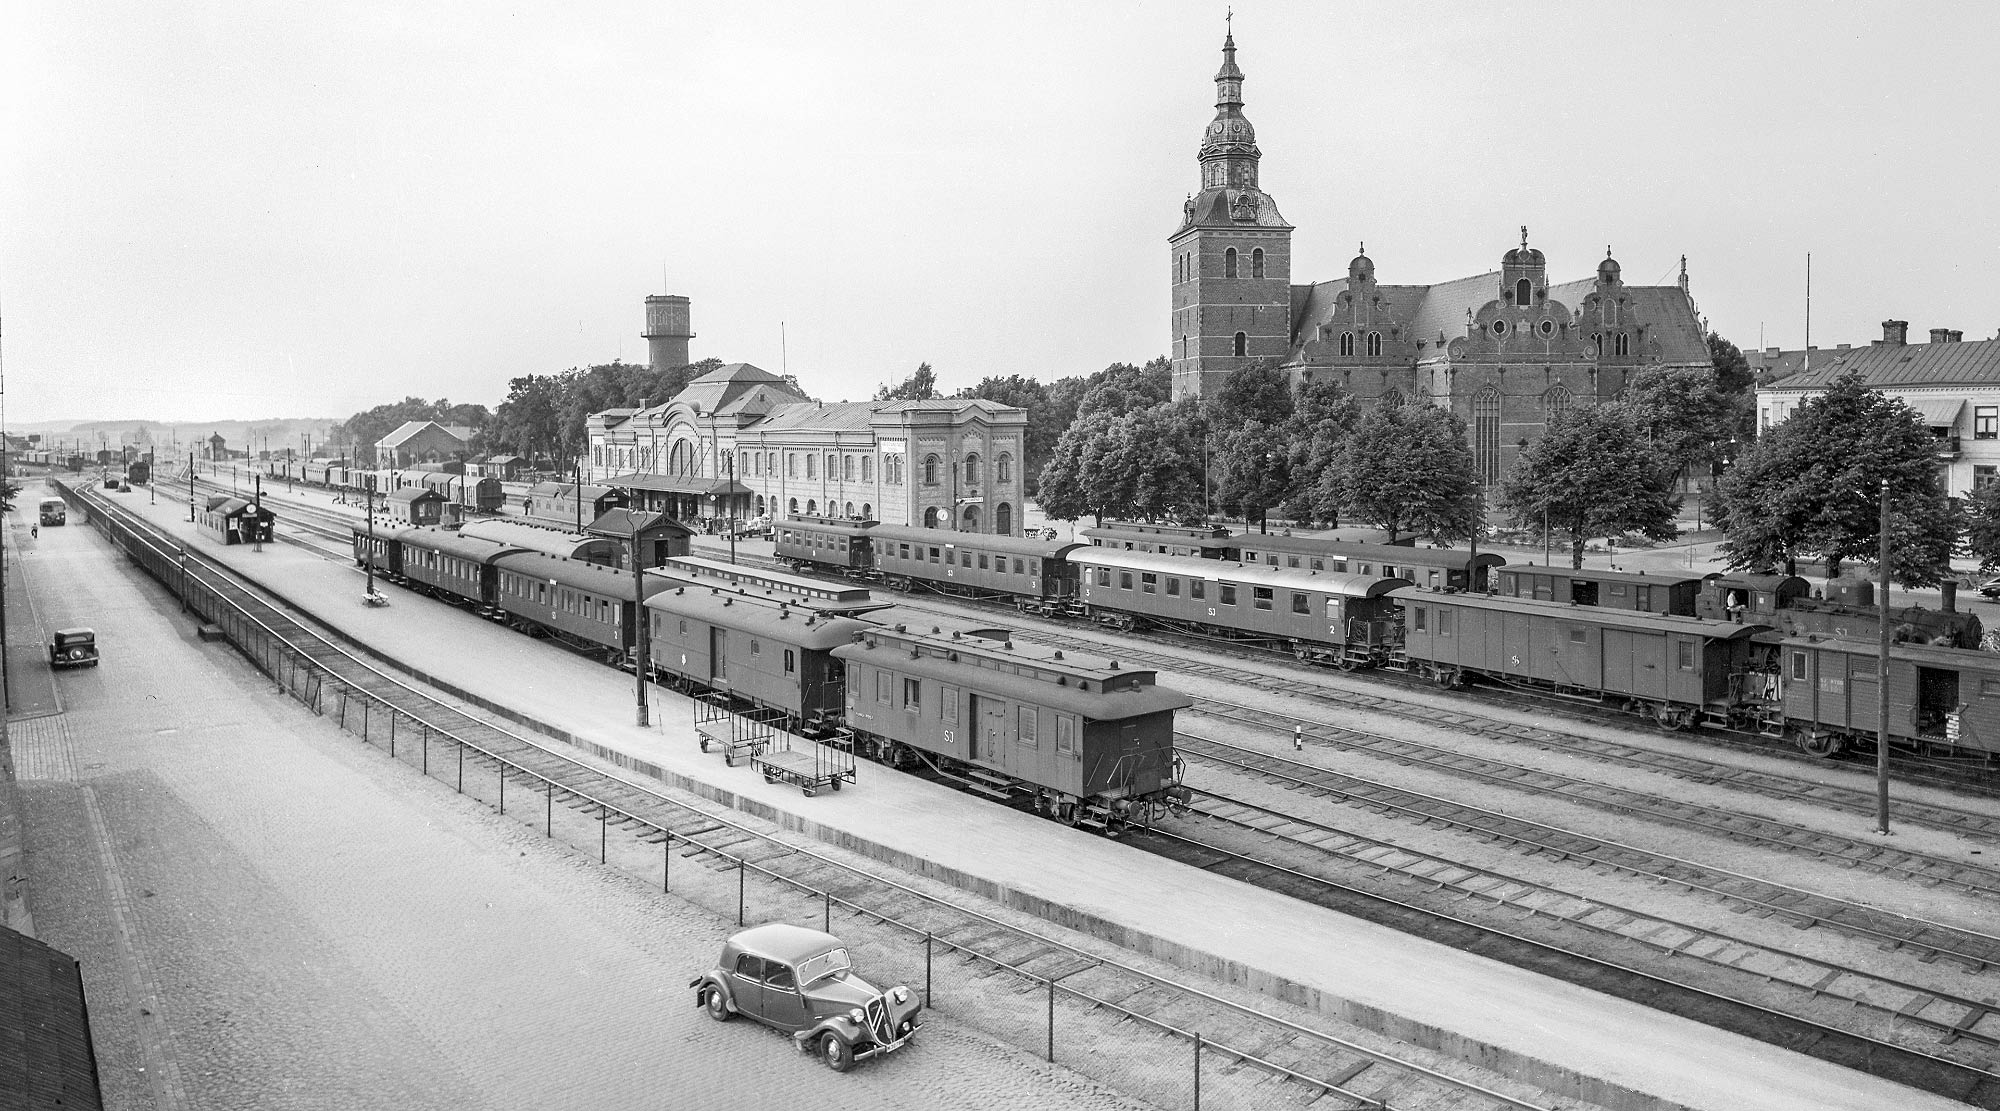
(1882, 677)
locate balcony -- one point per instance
(1947, 447)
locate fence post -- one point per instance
(739, 891)
(927, 968)
(667, 864)
(549, 809)
(392, 736)
(427, 749)
(826, 919)
(461, 767)
(1052, 1020)
(603, 829)
(503, 790)
(1197, 1070)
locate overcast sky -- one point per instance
(257, 209)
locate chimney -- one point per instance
(1940, 335)
(1896, 332)
(1772, 353)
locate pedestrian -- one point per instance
(1298, 738)
(35, 531)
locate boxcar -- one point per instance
(1205, 543)
(977, 565)
(815, 595)
(840, 546)
(582, 604)
(1940, 699)
(1621, 590)
(566, 505)
(1080, 738)
(589, 549)
(1452, 568)
(1677, 670)
(455, 568)
(1331, 617)
(772, 654)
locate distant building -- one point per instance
(1503, 349)
(422, 441)
(1953, 384)
(742, 442)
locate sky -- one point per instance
(243, 210)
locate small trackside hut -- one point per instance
(1320, 616)
(234, 520)
(1078, 738)
(415, 507)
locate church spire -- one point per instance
(1229, 147)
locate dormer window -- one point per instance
(1524, 293)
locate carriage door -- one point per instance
(989, 725)
(1937, 703)
(718, 655)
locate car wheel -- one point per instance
(718, 1008)
(838, 1055)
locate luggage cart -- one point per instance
(815, 765)
(751, 732)
(711, 720)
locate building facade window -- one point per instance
(812, 466)
(867, 468)
(930, 470)
(1374, 343)
(1229, 263)
(847, 468)
(1486, 434)
(1347, 343)
(1003, 468)
(1557, 400)
(1242, 344)
(1622, 343)
(1524, 293)
(1003, 519)
(972, 469)
(1985, 422)
(1257, 263)
(1983, 476)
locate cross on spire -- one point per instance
(1524, 237)
(1607, 250)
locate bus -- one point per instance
(54, 511)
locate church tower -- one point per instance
(1232, 257)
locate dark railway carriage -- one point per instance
(582, 604)
(775, 655)
(455, 568)
(1846, 609)
(1677, 670)
(1940, 699)
(1035, 573)
(468, 492)
(381, 550)
(839, 546)
(1078, 738)
(566, 505)
(588, 549)
(1753, 599)
(1205, 543)
(816, 595)
(1453, 568)
(1620, 590)
(1331, 617)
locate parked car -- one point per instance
(1990, 588)
(800, 981)
(73, 648)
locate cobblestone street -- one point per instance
(270, 915)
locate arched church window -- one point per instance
(1486, 434)
(1624, 344)
(812, 506)
(1347, 343)
(794, 506)
(1257, 263)
(1229, 263)
(1374, 343)
(1524, 293)
(812, 465)
(972, 469)
(1242, 343)
(1003, 468)
(1557, 400)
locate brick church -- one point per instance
(1503, 349)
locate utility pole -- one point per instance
(190, 487)
(370, 561)
(1882, 676)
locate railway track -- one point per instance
(1284, 1063)
(1538, 927)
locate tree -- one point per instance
(1735, 387)
(1146, 463)
(1407, 468)
(1685, 418)
(1982, 526)
(1063, 490)
(1591, 474)
(1322, 416)
(1252, 470)
(1124, 388)
(1810, 487)
(1261, 392)
(921, 385)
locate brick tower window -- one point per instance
(1486, 434)
(1257, 263)
(1229, 263)
(1242, 344)
(1374, 343)
(1623, 344)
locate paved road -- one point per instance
(271, 916)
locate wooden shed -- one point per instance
(234, 520)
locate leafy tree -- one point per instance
(1810, 487)
(1407, 468)
(1735, 386)
(1685, 418)
(1124, 388)
(1064, 488)
(1252, 470)
(9, 490)
(529, 422)
(921, 385)
(1044, 429)
(1322, 416)
(1146, 463)
(1261, 392)
(1982, 526)
(1591, 474)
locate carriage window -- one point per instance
(1417, 615)
(1989, 688)
(1444, 623)
(902, 551)
(948, 703)
(913, 695)
(1065, 733)
(1260, 596)
(1173, 587)
(791, 661)
(684, 626)
(1318, 564)
(1686, 653)
(1226, 594)
(1577, 635)
(982, 562)
(934, 555)
(1197, 589)
(1507, 583)
(1149, 582)
(1017, 567)
(1104, 576)
(965, 559)
(1302, 603)
(756, 647)
(1291, 561)
(882, 687)
(1124, 580)
(1028, 726)
(1799, 668)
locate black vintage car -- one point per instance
(73, 648)
(800, 981)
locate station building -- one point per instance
(741, 442)
(1953, 384)
(1503, 349)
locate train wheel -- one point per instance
(1825, 745)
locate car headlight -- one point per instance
(900, 995)
(857, 1016)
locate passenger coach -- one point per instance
(1449, 568)
(977, 565)
(772, 654)
(1329, 617)
(823, 544)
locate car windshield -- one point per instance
(832, 963)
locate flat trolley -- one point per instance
(733, 727)
(811, 767)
